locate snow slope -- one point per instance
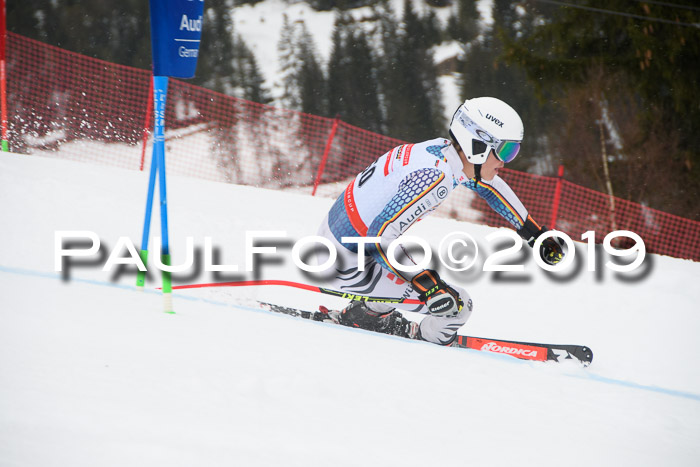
(94, 373)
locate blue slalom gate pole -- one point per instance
(160, 93)
(176, 30)
(143, 252)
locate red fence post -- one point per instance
(322, 165)
(147, 122)
(557, 197)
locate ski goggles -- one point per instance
(504, 150)
(507, 150)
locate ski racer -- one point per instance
(405, 185)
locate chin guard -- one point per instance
(477, 174)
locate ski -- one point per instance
(528, 350)
(522, 350)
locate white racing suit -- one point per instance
(386, 199)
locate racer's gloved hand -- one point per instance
(552, 248)
(440, 298)
(552, 251)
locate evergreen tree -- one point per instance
(217, 49)
(413, 98)
(225, 63)
(432, 29)
(288, 66)
(119, 32)
(438, 3)
(337, 66)
(310, 75)
(484, 72)
(386, 36)
(28, 18)
(352, 77)
(627, 63)
(342, 5)
(364, 100)
(246, 2)
(302, 77)
(115, 32)
(463, 26)
(248, 79)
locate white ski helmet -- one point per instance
(486, 123)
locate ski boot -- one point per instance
(358, 315)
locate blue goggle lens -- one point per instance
(507, 150)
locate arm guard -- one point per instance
(530, 231)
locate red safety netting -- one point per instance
(62, 104)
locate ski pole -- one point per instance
(298, 285)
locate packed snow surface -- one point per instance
(94, 373)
